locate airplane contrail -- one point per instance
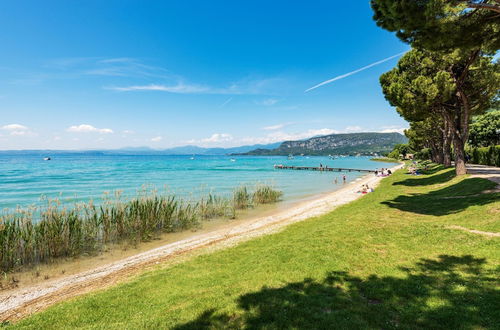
(226, 102)
(353, 72)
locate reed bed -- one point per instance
(41, 234)
(265, 194)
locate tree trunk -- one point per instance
(436, 154)
(461, 132)
(447, 139)
(460, 168)
(439, 156)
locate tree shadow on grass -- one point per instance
(449, 293)
(451, 199)
(426, 181)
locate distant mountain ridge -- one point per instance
(184, 150)
(349, 143)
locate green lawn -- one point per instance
(385, 261)
(386, 160)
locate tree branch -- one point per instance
(487, 6)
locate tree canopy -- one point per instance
(485, 130)
(427, 85)
(442, 24)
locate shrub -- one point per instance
(423, 154)
(485, 155)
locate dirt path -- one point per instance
(491, 173)
(473, 231)
(486, 172)
(19, 303)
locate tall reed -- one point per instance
(241, 198)
(265, 194)
(39, 234)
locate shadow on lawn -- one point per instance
(449, 293)
(433, 179)
(451, 199)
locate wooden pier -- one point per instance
(322, 169)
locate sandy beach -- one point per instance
(17, 303)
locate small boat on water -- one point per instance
(232, 159)
(290, 156)
(46, 158)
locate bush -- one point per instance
(423, 154)
(485, 156)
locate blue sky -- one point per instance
(110, 74)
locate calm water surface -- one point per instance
(25, 179)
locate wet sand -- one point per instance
(49, 284)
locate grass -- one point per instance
(385, 160)
(38, 235)
(387, 260)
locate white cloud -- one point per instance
(178, 89)
(85, 128)
(128, 132)
(14, 127)
(218, 137)
(276, 127)
(269, 86)
(283, 136)
(393, 129)
(273, 127)
(352, 129)
(19, 133)
(157, 139)
(18, 130)
(267, 102)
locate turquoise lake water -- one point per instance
(25, 179)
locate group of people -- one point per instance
(365, 189)
(344, 180)
(416, 168)
(383, 172)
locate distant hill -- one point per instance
(352, 143)
(189, 150)
(184, 150)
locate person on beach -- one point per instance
(344, 178)
(363, 190)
